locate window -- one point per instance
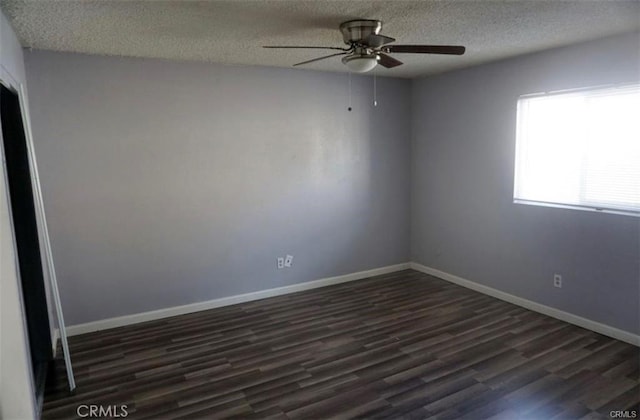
(580, 149)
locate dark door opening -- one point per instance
(26, 234)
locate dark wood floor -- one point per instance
(403, 345)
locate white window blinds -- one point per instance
(580, 149)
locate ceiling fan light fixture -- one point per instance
(361, 63)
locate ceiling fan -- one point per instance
(368, 48)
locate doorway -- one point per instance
(25, 227)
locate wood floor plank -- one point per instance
(401, 345)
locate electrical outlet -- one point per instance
(288, 260)
(280, 262)
(557, 280)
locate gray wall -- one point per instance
(167, 183)
(463, 218)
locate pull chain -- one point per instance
(375, 89)
(349, 108)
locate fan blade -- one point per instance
(320, 58)
(306, 47)
(425, 49)
(376, 41)
(388, 61)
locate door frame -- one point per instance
(47, 265)
(5, 80)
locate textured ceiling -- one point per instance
(233, 32)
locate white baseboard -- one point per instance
(278, 291)
(120, 321)
(534, 306)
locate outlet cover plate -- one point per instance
(557, 280)
(288, 260)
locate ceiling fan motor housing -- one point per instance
(356, 31)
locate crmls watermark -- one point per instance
(100, 411)
(626, 414)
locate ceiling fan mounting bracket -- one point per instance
(356, 31)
